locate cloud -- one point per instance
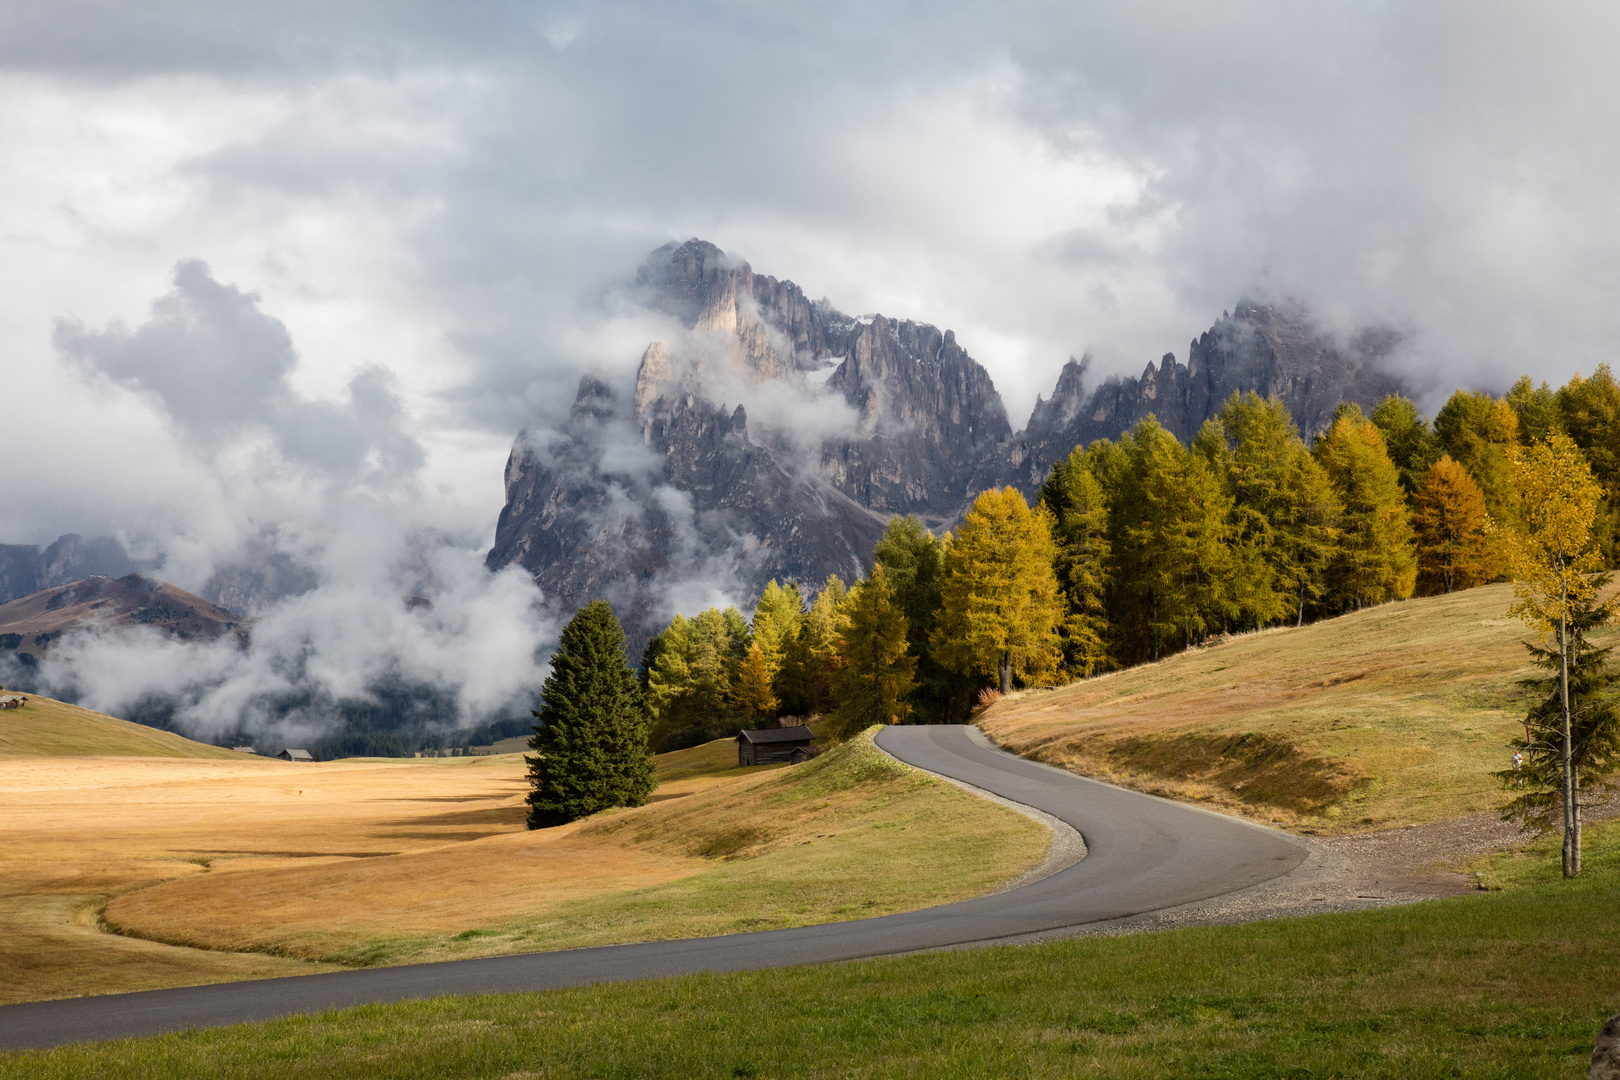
(421, 228)
(221, 369)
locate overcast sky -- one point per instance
(263, 261)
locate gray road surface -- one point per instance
(1143, 854)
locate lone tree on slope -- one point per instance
(591, 741)
(1558, 574)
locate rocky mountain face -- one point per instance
(26, 568)
(773, 436)
(1267, 349)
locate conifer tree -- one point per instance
(1537, 409)
(1537, 782)
(1283, 505)
(691, 681)
(804, 683)
(1283, 510)
(752, 696)
(1000, 609)
(912, 559)
(1480, 432)
(1076, 500)
(876, 677)
(1590, 412)
(1374, 560)
(1410, 442)
(591, 739)
(1170, 534)
(1554, 559)
(1453, 548)
(776, 622)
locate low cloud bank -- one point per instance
(370, 607)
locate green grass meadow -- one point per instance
(1512, 983)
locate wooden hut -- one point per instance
(294, 754)
(769, 745)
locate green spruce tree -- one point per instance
(591, 740)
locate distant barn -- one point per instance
(293, 754)
(244, 750)
(770, 745)
(13, 701)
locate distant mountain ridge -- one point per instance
(28, 568)
(30, 624)
(662, 497)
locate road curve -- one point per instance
(1143, 854)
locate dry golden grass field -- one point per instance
(214, 865)
(1391, 716)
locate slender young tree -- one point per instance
(1555, 563)
(1454, 550)
(1001, 609)
(876, 678)
(591, 740)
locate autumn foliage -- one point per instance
(1136, 548)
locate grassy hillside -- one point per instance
(48, 728)
(1500, 985)
(1390, 716)
(369, 862)
(849, 834)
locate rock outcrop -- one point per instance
(1269, 349)
(773, 436)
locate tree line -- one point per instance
(1137, 548)
(1134, 549)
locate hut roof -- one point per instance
(292, 754)
(776, 735)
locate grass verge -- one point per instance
(850, 833)
(1500, 985)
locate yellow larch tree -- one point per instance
(1001, 606)
(1448, 515)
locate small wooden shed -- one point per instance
(244, 750)
(294, 754)
(769, 745)
(13, 701)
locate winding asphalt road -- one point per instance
(1143, 854)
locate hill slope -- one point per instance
(1394, 715)
(48, 728)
